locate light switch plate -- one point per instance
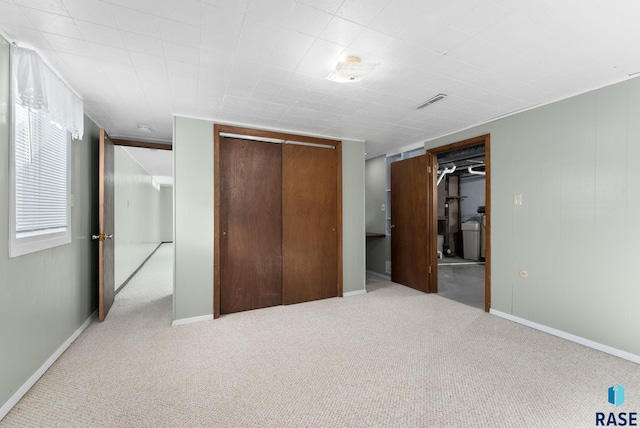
(517, 199)
(383, 207)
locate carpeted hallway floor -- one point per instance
(391, 358)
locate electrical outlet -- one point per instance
(517, 199)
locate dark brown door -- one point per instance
(106, 282)
(309, 218)
(410, 223)
(251, 225)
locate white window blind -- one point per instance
(40, 173)
(45, 113)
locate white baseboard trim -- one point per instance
(6, 407)
(387, 277)
(354, 293)
(184, 321)
(571, 337)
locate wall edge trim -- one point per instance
(570, 337)
(15, 398)
(354, 293)
(184, 321)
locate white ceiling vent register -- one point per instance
(351, 70)
(431, 101)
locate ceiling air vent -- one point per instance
(431, 101)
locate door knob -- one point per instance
(393, 226)
(101, 237)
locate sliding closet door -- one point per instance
(309, 218)
(251, 225)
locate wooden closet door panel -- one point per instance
(309, 217)
(251, 225)
(410, 223)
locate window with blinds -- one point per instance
(40, 190)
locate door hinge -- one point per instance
(429, 269)
(429, 169)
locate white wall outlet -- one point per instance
(523, 274)
(517, 199)
(383, 207)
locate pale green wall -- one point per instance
(166, 210)
(138, 216)
(576, 164)
(193, 183)
(45, 296)
(353, 217)
(376, 183)
(193, 219)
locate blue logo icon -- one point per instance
(616, 395)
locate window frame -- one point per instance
(30, 242)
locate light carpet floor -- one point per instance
(391, 358)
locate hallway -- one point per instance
(151, 289)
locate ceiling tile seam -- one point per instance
(469, 83)
(322, 10)
(198, 70)
(133, 64)
(235, 54)
(24, 6)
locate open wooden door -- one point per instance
(104, 237)
(410, 190)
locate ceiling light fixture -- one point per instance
(351, 70)
(144, 128)
(432, 100)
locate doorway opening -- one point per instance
(460, 222)
(143, 215)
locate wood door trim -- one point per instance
(142, 144)
(217, 129)
(216, 221)
(433, 256)
(338, 145)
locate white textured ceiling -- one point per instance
(158, 163)
(263, 63)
